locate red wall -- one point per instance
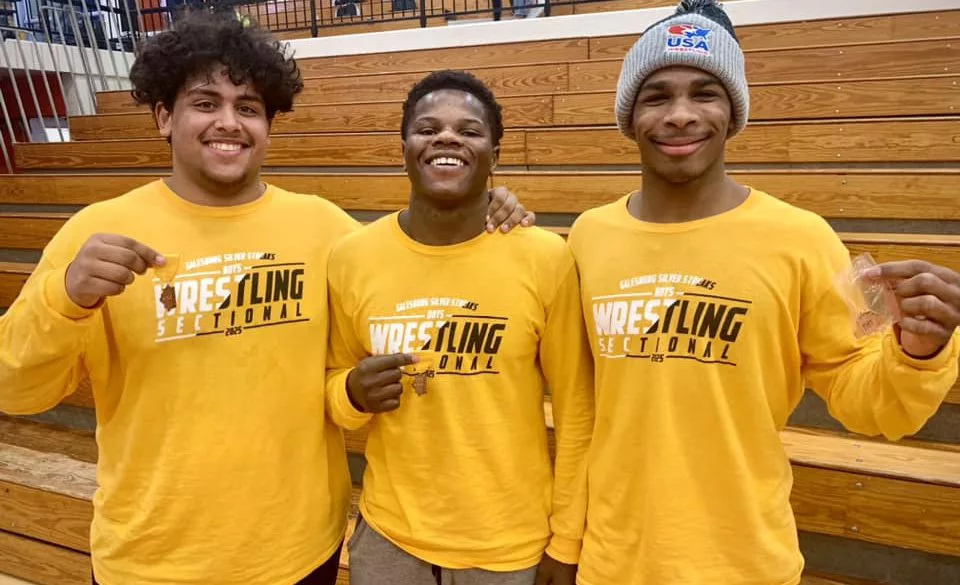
(151, 22)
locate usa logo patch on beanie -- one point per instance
(688, 38)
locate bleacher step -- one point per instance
(8, 580)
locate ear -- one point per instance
(403, 154)
(496, 159)
(164, 119)
(730, 127)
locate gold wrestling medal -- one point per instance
(421, 371)
(166, 274)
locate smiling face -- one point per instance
(681, 121)
(448, 148)
(219, 132)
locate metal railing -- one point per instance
(308, 17)
(55, 55)
(279, 16)
(335, 14)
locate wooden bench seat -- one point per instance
(933, 464)
(802, 65)
(863, 489)
(47, 481)
(925, 96)
(815, 33)
(849, 63)
(889, 193)
(29, 230)
(818, 33)
(822, 579)
(879, 141)
(561, 50)
(46, 508)
(347, 150)
(860, 489)
(40, 563)
(12, 277)
(883, 141)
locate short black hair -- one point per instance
(202, 40)
(459, 81)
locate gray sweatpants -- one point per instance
(374, 560)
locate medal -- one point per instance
(421, 371)
(872, 303)
(167, 273)
(420, 384)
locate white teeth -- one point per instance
(445, 161)
(228, 147)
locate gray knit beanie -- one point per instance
(699, 35)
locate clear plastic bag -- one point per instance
(872, 303)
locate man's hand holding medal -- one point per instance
(376, 384)
(105, 266)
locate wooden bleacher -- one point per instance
(880, 61)
(905, 496)
(924, 96)
(855, 119)
(904, 140)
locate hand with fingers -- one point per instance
(375, 385)
(105, 266)
(506, 211)
(928, 296)
(553, 572)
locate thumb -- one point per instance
(149, 255)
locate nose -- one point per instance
(227, 120)
(681, 113)
(447, 136)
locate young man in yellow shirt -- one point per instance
(442, 337)
(710, 307)
(197, 306)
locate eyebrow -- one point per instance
(213, 94)
(435, 119)
(706, 81)
(698, 83)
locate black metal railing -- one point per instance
(346, 13)
(122, 23)
(275, 15)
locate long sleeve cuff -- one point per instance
(58, 301)
(344, 413)
(947, 356)
(565, 550)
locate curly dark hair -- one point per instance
(202, 40)
(461, 81)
